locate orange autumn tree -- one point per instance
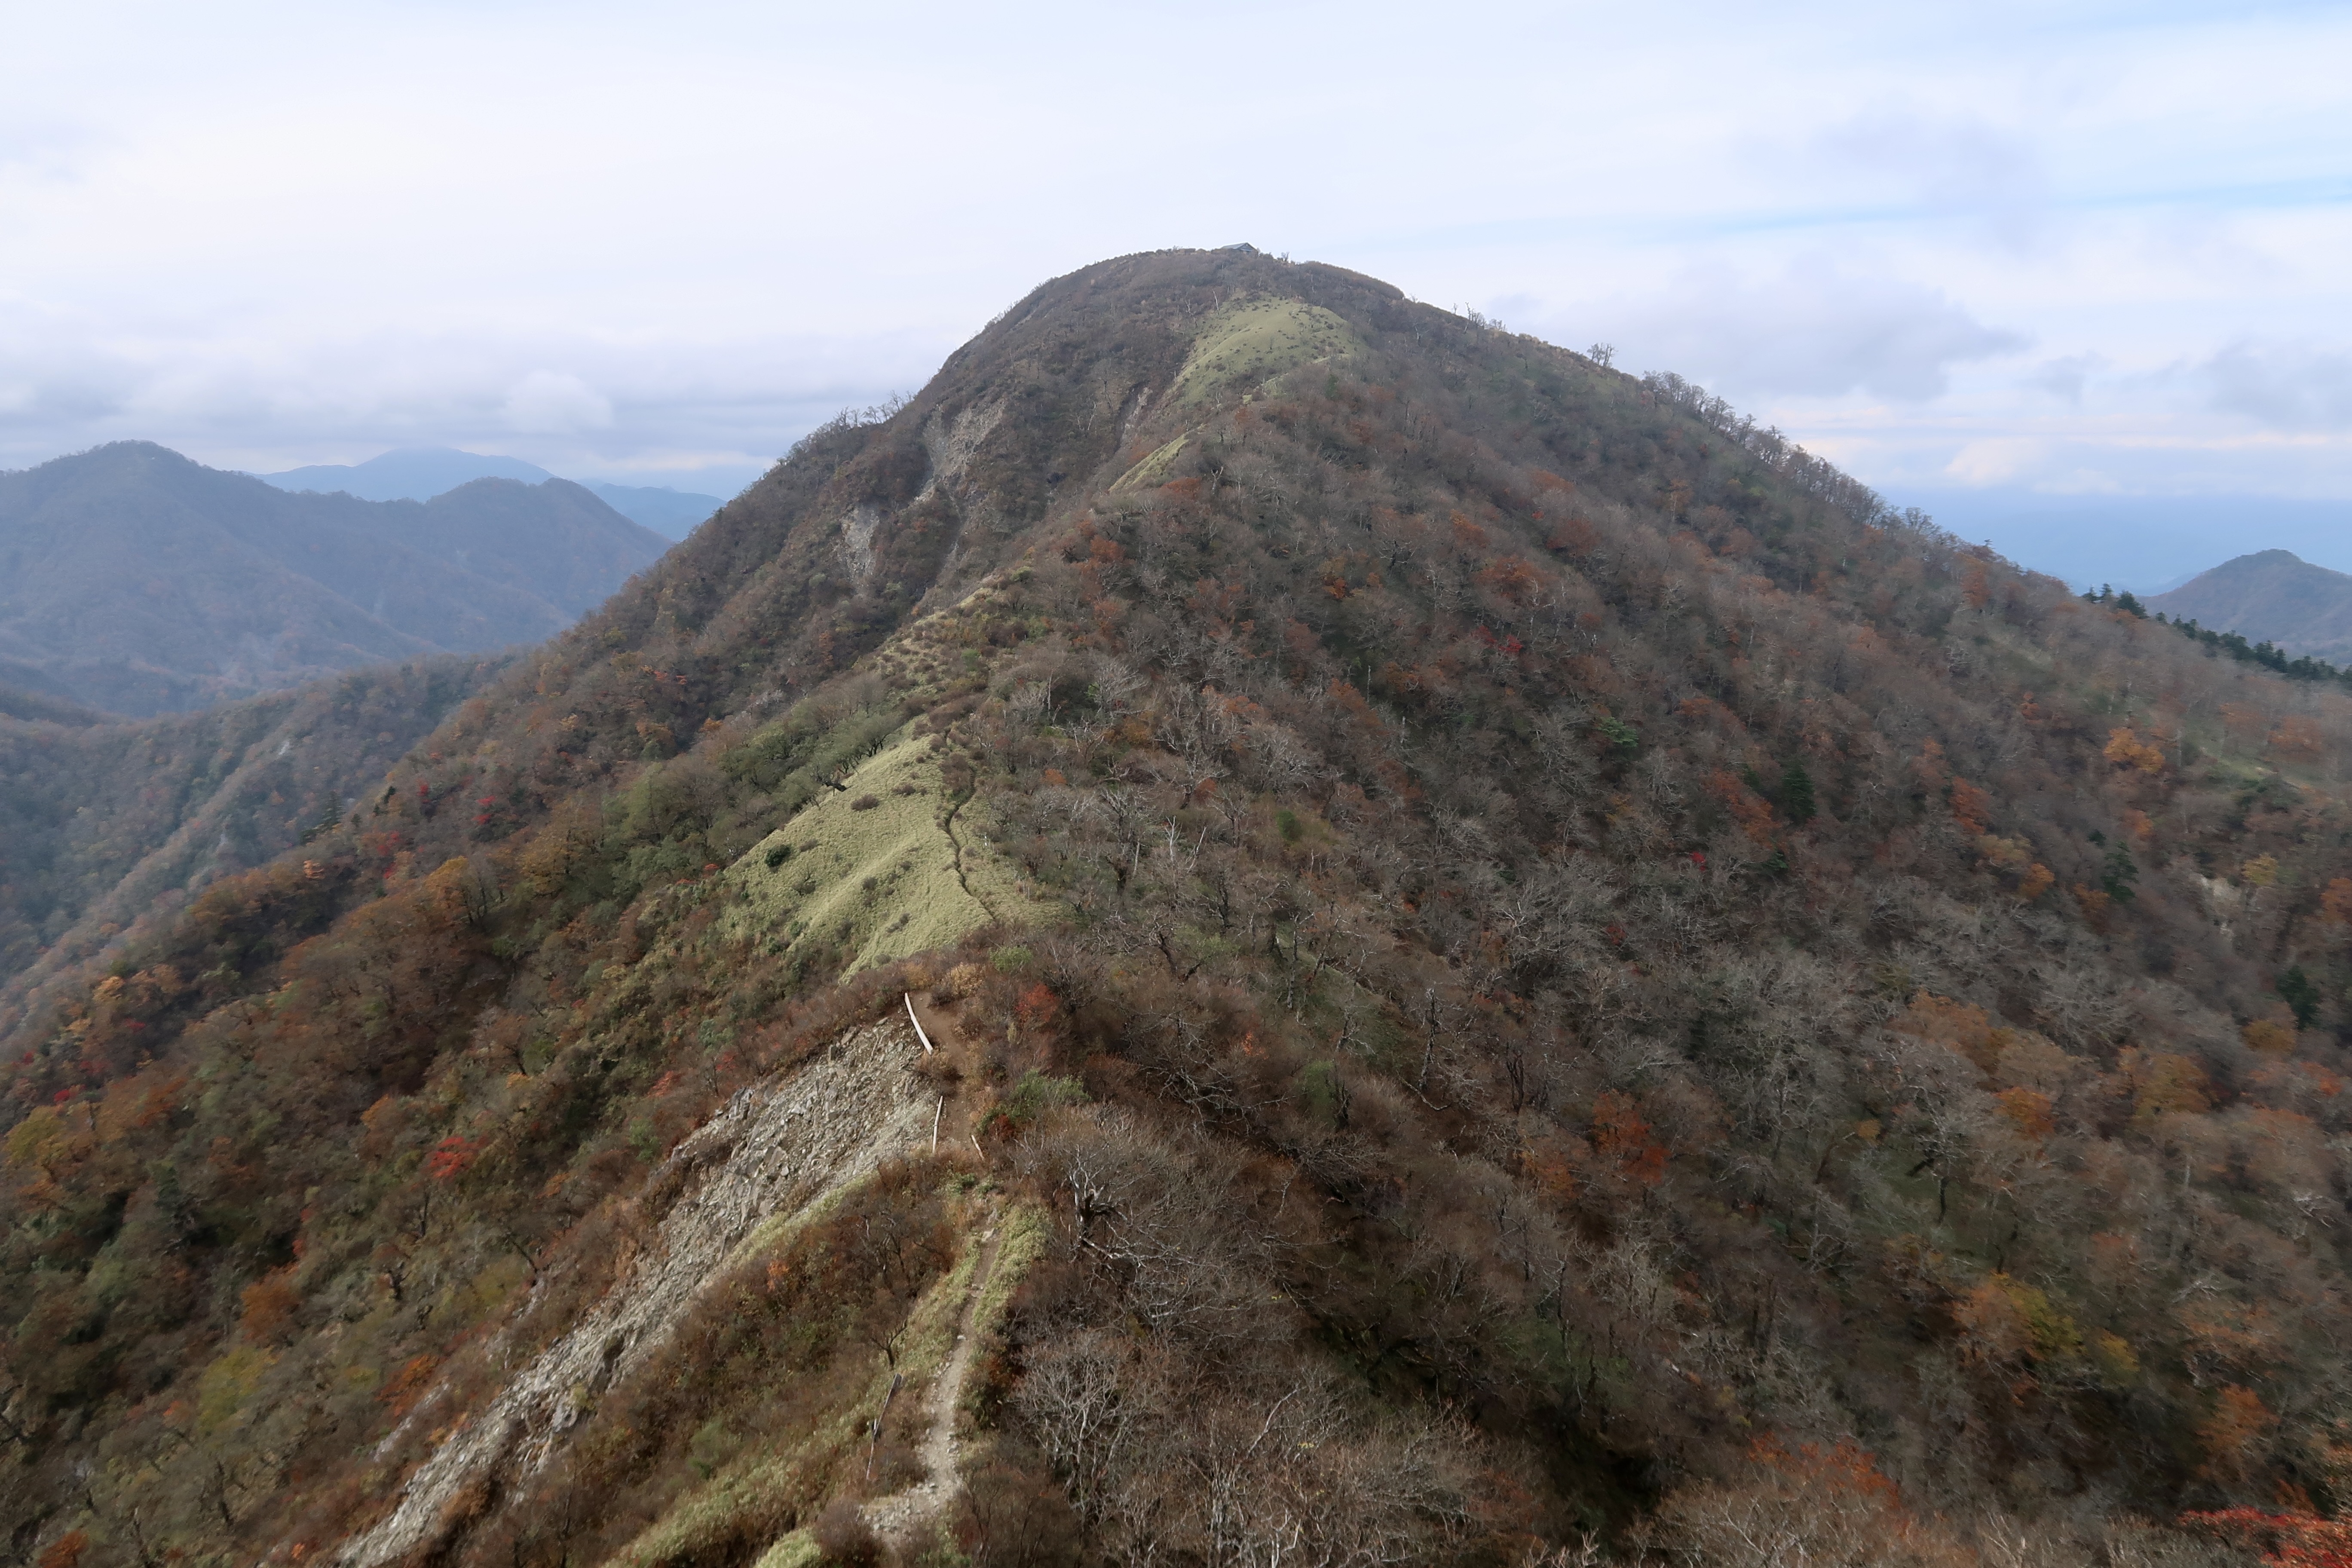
(2125, 748)
(1972, 806)
(2288, 1540)
(1747, 807)
(2298, 740)
(1621, 1134)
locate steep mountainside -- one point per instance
(135, 581)
(1432, 953)
(109, 826)
(2270, 596)
(422, 473)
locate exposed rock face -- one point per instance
(773, 1151)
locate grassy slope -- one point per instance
(882, 883)
(1246, 344)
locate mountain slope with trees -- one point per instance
(1545, 977)
(139, 583)
(107, 826)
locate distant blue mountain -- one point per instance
(135, 581)
(420, 473)
(671, 513)
(411, 473)
(2149, 544)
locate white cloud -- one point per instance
(2065, 377)
(2291, 386)
(1958, 166)
(1814, 331)
(547, 404)
(2003, 460)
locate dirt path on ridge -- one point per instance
(897, 1518)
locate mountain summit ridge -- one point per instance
(1515, 961)
(406, 473)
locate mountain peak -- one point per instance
(2270, 595)
(135, 579)
(2263, 558)
(1485, 940)
(408, 473)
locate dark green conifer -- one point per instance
(1796, 793)
(2118, 875)
(2301, 994)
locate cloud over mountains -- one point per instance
(1811, 331)
(657, 248)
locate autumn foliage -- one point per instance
(1540, 933)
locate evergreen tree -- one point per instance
(2118, 873)
(1796, 793)
(2301, 993)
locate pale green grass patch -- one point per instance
(879, 883)
(1026, 1232)
(929, 1338)
(770, 1234)
(1244, 343)
(1151, 470)
(796, 1550)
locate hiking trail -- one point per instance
(897, 1518)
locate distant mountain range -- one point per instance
(135, 581)
(421, 473)
(2271, 595)
(2149, 544)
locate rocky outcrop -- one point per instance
(776, 1149)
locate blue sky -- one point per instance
(1996, 259)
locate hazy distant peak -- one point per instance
(126, 454)
(672, 513)
(140, 582)
(2270, 595)
(408, 473)
(421, 473)
(2267, 564)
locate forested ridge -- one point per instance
(138, 582)
(1549, 981)
(108, 825)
